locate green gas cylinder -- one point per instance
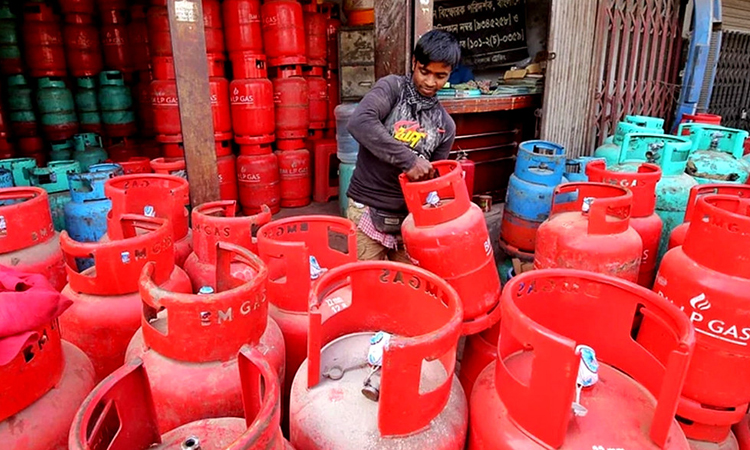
(88, 150)
(671, 153)
(717, 153)
(54, 180)
(87, 105)
(20, 169)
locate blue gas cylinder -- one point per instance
(575, 169)
(54, 180)
(6, 178)
(717, 153)
(540, 167)
(86, 214)
(671, 153)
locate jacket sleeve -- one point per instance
(366, 125)
(444, 148)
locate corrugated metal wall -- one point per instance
(567, 95)
(612, 58)
(736, 15)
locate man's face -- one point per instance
(431, 77)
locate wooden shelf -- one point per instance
(488, 103)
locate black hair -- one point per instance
(438, 46)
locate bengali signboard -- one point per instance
(491, 32)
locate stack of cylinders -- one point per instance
(44, 52)
(10, 52)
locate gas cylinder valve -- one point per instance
(371, 385)
(588, 375)
(654, 151)
(191, 443)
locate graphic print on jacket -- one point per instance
(419, 124)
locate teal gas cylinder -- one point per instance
(610, 150)
(345, 179)
(116, 105)
(10, 52)
(21, 107)
(88, 150)
(87, 105)
(54, 180)
(61, 150)
(20, 169)
(671, 153)
(57, 109)
(717, 153)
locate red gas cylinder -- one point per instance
(318, 97)
(589, 229)
(106, 307)
(77, 6)
(44, 53)
(259, 183)
(709, 279)
(736, 190)
(450, 239)
(643, 219)
(129, 398)
(294, 173)
(742, 432)
(30, 146)
(468, 167)
(105, 5)
(479, 351)
(159, 39)
(283, 32)
(213, 26)
(177, 149)
(292, 99)
(286, 246)
(156, 195)
(332, 54)
(166, 108)
(553, 322)
(117, 52)
(242, 26)
(163, 66)
(227, 169)
(711, 119)
(170, 166)
(316, 34)
(216, 222)
(44, 378)
(30, 243)
(82, 46)
(138, 38)
(122, 149)
(252, 106)
(136, 164)
(420, 404)
(200, 340)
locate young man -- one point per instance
(401, 127)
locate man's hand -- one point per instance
(421, 170)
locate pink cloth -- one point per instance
(367, 227)
(27, 302)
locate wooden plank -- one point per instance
(736, 15)
(392, 37)
(191, 69)
(489, 103)
(422, 18)
(567, 92)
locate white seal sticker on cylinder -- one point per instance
(378, 344)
